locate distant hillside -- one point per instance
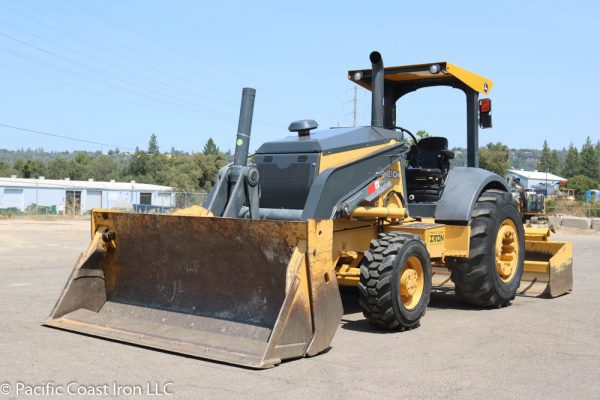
(526, 159)
(11, 156)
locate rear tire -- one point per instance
(491, 275)
(395, 281)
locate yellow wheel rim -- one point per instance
(412, 281)
(507, 250)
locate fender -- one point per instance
(462, 189)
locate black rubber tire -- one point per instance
(379, 292)
(476, 279)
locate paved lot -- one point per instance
(534, 349)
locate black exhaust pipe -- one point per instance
(376, 89)
(242, 141)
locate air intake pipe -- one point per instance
(242, 141)
(376, 89)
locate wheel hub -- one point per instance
(411, 283)
(507, 250)
(408, 282)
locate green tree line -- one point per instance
(177, 169)
(196, 172)
(581, 168)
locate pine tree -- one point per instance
(572, 167)
(555, 166)
(153, 145)
(547, 163)
(210, 147)
(589, 161)
(598, 154)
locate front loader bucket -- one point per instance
(239, 291)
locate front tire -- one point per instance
(491, 275)
(395, 281)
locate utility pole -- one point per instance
(355, 111)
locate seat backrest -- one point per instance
(431, 153)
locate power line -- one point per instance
(63, 32)
(99, 60)
(103, 83)
(104, 49)
(179, 111)
(112, 76)
(168, 46)
(222, 115)
(64, 137)
(125, 27)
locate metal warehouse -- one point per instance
(537, 179)
(78, 197)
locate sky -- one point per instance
(111, 73)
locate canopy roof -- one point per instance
(421, 75)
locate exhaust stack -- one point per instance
(377, 89)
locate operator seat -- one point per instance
(428, 166)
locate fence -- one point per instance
(71, 207)
(577, 207)
(185, 199)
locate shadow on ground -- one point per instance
(441, 298)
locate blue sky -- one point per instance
(116, 71)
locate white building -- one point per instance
(79, 197)
(537, 180)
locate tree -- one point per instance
(137, 164)
(6, 170)
(598, 154)
(556, 167)
(209, 166)
(494, 158)
(103, 168)
(211, 148)
(78, 169)
(145, 167)
(182, 174)
(83, 158)
(571, 167)
(581, 184)
(30, 168)
(190, 173)
(422, 133)
(589, 161)
(153, 145)
(58, 168)
(548, 161)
